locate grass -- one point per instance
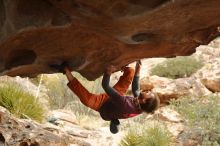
(59, 94)
(147, 134)
(178, 67)
(20, 103)
(62, 97)
(203, 115)
(86, 117)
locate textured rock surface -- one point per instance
(24, 132)
(15, 132)
(202, 83)
(92, 34)
(210, 73)
(168, 89)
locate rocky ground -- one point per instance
(65, 131)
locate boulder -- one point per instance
(208, 53)
(22, 132)
(37, 36)
(168, 89)
(61, 115)
(210, 75)
(16, 132)
(172, 119)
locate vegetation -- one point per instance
(147, 134)
(202, 114)
(79, 109)
(59, 94)
(57, 91)
(177, 67)
(85, 116)
(20, 103)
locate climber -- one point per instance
(115, 104)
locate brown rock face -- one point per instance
(91, 34)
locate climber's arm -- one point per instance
(135, 82)
(113, 94)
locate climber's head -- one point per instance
(149, 101)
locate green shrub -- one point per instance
(57, 90)
(202, 114)
(177, 67)
(79, 109)
(147, 135)
(86, 117)
(59, 93)
(20, 103)
(135, 121)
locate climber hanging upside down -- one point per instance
(114, 104)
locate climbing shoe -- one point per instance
(114, 125)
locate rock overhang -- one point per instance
(89, 35)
